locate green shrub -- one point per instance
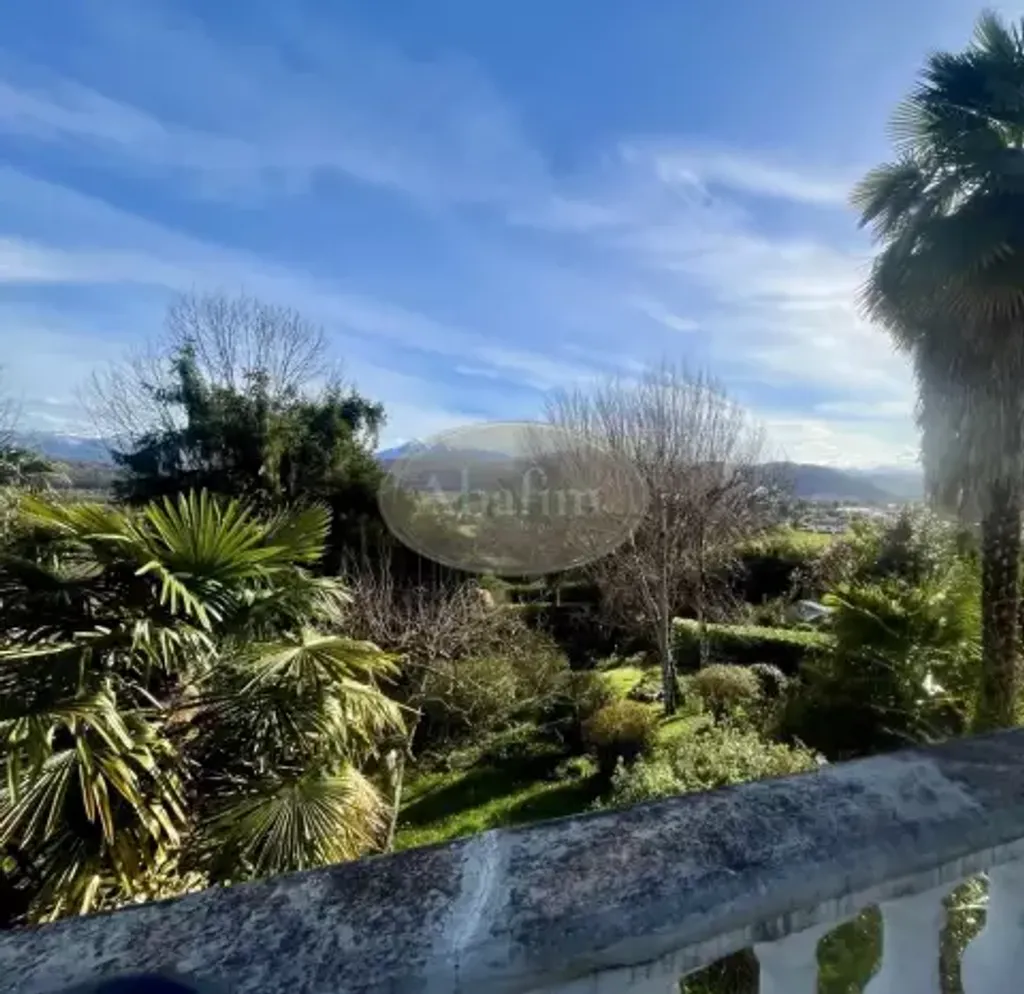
(582, 695)
(587, 692)
(621, 731)
(477, 695)
(773, 564)
(715, 757)
(746, 644)
(724, 688)
(495, 586)
(768, 614)
(772, 680)
(575, 768)
(690, 702)
(904, 669)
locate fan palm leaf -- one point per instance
(283, 826)
(296, 699)
(170, 653)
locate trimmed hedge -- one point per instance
(771, 563)
(745, 645)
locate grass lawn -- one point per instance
(622, 679)
(439, 806)
(444, 806)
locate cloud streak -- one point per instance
(660, 247)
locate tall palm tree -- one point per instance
(948, 283)
(173, 707)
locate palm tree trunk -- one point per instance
(1000, 605)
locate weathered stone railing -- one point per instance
(623, 902)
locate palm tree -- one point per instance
(948, 283)
(173, 708)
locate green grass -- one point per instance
(444, 806)
(622, 679)
(440, 806)
(679, 726)
(788, 541)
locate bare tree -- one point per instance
(232, 338)
(699, 456)
(9, 417)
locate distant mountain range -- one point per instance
(881, 485)
(884, 485)
(66, 448)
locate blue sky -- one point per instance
(479, 201)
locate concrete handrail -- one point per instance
(653, 891)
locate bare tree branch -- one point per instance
(699, 455)
(232, 339)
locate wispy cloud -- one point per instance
(733, 170)
(247, 119)
(361, 326)
(838, 443)
(663, 246)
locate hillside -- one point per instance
(827, 483)
(66, 448)
(883, 485)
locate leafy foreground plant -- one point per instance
(172, 712)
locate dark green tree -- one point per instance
(272, 447)
(948, 282)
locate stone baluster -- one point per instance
(790, 966)
(911, 942)
(994, 961)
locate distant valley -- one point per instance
(883, 485)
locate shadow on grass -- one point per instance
(570, 798)
(463, 791)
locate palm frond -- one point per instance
(198, 535)
(90, 522)
(313, 660)
(284, 826)
(293, 701)
(301, 534)
(143, 645)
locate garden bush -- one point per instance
(772, 566)
(904, 669)
(723, 688)
(717, 756)
(784, 648)
(498, 588)
(621, 731)
(575, 768)
(583, 693)
(483, 693)
(772, 680)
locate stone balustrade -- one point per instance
(624, 902)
